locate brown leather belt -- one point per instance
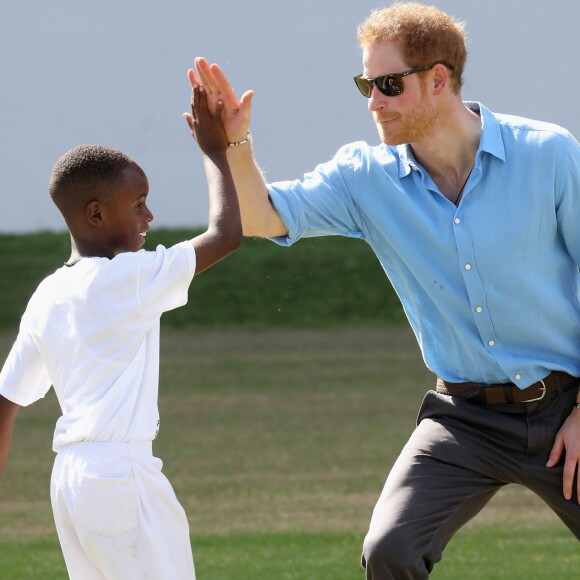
(508, 392)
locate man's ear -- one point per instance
(440, 78)
(94, 213)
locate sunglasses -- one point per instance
(390, 85)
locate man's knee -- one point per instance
(391, 555)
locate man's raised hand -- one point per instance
(236, 113)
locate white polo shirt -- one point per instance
(92, 331)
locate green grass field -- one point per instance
(288, 387)
(277, 444)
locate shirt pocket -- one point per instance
(108, 506)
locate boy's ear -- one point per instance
(94, 213)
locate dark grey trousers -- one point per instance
(458, 457)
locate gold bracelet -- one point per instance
(241, 142)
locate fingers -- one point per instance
(205, 74)
(189, 119)
(570, 468)
(199, 102)
(192, 78)
(556, 451)
(189, 116)
(246, 102)
(205, 124)
(234, 114)
(567, 440)
(199, 106)
(219, 110)
(221, 84)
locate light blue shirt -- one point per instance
(491, 287)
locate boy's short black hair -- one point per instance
(84, 173)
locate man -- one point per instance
(473, 216)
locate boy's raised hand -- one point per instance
(206, 127)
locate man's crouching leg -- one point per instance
(437, 484)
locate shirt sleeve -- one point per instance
(164, 277)
(568, 195)
(24, 378)
(320, 204)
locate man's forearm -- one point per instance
(259, 218)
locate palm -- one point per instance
(232, 119)
(236, 113)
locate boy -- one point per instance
(91, 330)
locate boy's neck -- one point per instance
(80, 250)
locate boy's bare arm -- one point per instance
(8, 411)
(224, 232)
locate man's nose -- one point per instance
(376, 100)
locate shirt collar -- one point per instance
(491, 140)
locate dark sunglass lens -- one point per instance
(364, 86)
(390, 85)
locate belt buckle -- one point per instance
(543, 387)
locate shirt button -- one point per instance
(479, 309)
(468, 266)
(457, 220)
(518, 376)
(491, 342)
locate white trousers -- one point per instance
(116, 514)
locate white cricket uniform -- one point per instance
(92, 332)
